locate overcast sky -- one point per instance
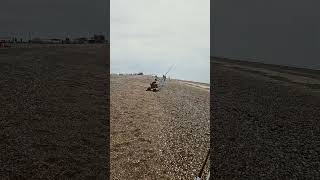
(283, 32)
(150, 36)
(53, 17)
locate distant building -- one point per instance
(67, 41)
(45, 41)
(81, 40)
(91, 41)
(6, 39)
(55, 41)
(36, 40)
(97, 39)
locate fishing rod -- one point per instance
(202, 168)
(169, 69)
(164, 77)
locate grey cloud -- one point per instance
(54, 16)
(152, 35)
(277, 32)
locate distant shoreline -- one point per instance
(256, 63)
(196, 82)
(182, 80)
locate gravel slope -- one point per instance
(264, 127)
(157, 135)
(53, 122)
